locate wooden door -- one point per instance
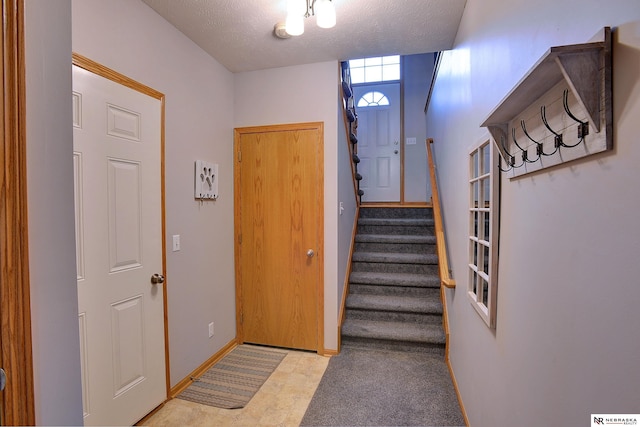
(379, 142)
(279, 228)
(119, 246)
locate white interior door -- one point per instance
(117, 165)
(379, 141)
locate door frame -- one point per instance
(16, 357)
(108, 73)
(238, 132)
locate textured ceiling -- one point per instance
(239, 33)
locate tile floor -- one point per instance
(281, 401)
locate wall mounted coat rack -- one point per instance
(560, 111)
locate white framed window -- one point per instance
(375, 69)
(484, 211)
(373, 99)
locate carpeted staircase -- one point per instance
(394, 288)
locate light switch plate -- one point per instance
(176, 242)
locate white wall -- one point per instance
(306, 93)
(129, 37)
(54, 300)
(565, 345)
(416, 74)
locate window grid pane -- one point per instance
(475, 215)
(487, 226)
(375, 69)
(485, 293)
(475, 195)
(391, 72)
(392, 59)
(474, 164)
(486, 192)
(485, 259)
(373, 74)
(376, 60)
(357, 75)
(482, 288)
(474, 282)
(486, 160)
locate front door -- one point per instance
(378, 109)
(117, 169)
(279, 228)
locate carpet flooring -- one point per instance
(366, 387)
(394, 288)
(233, 381)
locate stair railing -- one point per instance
(351, 125)
(441, 245)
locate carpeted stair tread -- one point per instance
(391, 212)
(401, 304)
(395, 238)
(423, 222)
(398, 258)
(394, 288)
(394, 279)
(394, 331)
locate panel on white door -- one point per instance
(383, 172)
(82, 319)
(123, 123)
(364, 168)
(382, 130)
(124, 215)
(127, 341)
(77, 109)
(78, 197)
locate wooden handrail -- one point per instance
(441, 246)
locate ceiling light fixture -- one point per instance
(298, 10)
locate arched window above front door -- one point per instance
(373, 99)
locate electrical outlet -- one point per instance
(211, 330)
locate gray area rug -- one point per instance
(232, 382)
(384, 388)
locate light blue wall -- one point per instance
(416, 72)
(52, 263)
(565, 345)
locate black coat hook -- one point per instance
(500, 165)
(511, 160)
(525, 154)
(557, 136)
(583, 127)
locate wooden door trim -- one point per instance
(16, 356)
(110, 74)
(238, 132)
